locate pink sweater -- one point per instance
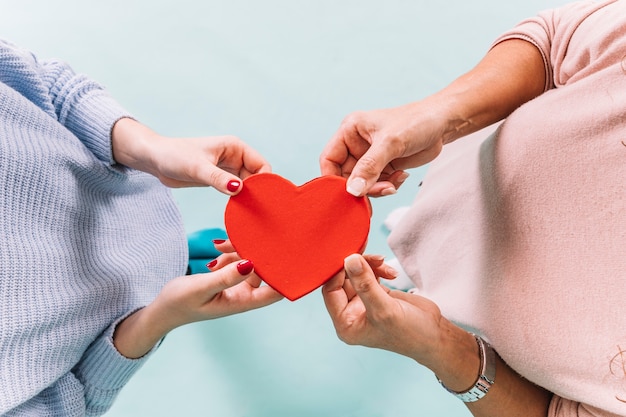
(519, 231)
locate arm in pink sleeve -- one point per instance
(550, 31)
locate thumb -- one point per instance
(364, 282)
(367, 169)
(223, 181)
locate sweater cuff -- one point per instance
(92, 119)
(103, 371)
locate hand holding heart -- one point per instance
(232, 289)
(364, 312)
(218, 161)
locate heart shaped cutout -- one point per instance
(296, 236)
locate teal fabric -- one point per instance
(202, 250)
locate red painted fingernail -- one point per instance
(218, 241)
(211, 264)
(233, 185)
(245, 267)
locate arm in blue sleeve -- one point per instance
(103, 371)
(80, 104)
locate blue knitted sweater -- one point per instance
(83, 242)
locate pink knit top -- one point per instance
(519, 231)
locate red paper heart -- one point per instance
(297, 237)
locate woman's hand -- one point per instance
(232, 288)
(220, 162)
(372, 149)
(364, 312)
(367, 313)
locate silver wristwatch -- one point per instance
(485, 379)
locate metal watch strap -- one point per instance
(485, 379)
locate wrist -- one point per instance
(485, 378)
(131, 144)
(138, 333)
(458, 361)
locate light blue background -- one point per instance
(281, 75)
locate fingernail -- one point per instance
(245, 267)
(402, 177)
(378, 258)
(218, 241)
(211, 264)
(356, 186)
(233, 185)
(353, 266)
(388, 191)
(392, 271)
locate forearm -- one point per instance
(509, 75)
(458, 364)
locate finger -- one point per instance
(238, 158)
(229, 276)
(224, 245)
(339, 154)
(333, 157)
(398, 178)
(334, 295)
(254, 280)
(223, 181)
(244, 173)
(264, 296)
(349, 290)
(374, 261)
(389, 186)
(253, 162)
(379, 267)
(222, 261)
(371, 293)
(368, 168)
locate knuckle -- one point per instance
(214, 176)
(397, 144)
(362, 286)
(228, 139)
(346, 338)
(352, 119)
(222, 281)
(346, 332)
(368, 164)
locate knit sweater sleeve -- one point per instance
(80, 104)
(103, 372)
(84, 107)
